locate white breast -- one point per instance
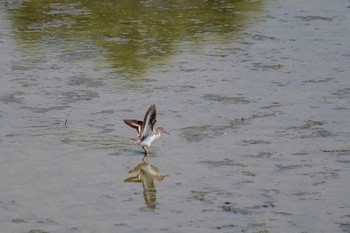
(149, 140)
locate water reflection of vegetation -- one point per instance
(146, 173)
(134, 34)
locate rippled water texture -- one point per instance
(255, 96)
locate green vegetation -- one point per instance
(132, 34)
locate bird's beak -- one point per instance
(166, 132)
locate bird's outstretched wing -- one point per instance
(148, 122)
(136, 124)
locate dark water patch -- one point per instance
(15, 97)
(344, 226)
(309, 124)
(46, 221)
(318, 134)
(307, 195)
(342, 93)
(260, 37)
(287, 214)
(247, 142)
(311, 129)
(324, 175)
(28, 82)
(342, 155)
(199, 195)
(342, 108)
(319, 183)
(38, 231)
(198, 133)
(324, 80)
(339, 69)
(106, 128)
(280, 84)
(264, 67)
(179, 89)
(79, 55)
(232, 208)
(228, 226)
(88, 82)
(269, 193)
(248, 173)
(48, 126)
(263, 115)
(12, 135)
(236, 123)
(273, 105)
(103, 112)
(81, 95)
(251, 227)
(224, 52)
(261, 155)
(314, 17)
(18, 220)
(66, 140)
(26, 64)
(236, 210)
(48, 109)
(257, 225)
(209, 196)
(301, 153)
(344, 161)
(291, 166)
(189, 70)
(226, 99)
(224, 162)
(121, 224)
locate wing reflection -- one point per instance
(146, 173)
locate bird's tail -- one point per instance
(135, 140)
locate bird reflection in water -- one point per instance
(146, 173)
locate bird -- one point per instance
(146, 134)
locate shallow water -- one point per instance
(256, 97)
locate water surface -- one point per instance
(255, 96)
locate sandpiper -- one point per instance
(145, 131)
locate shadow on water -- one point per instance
(146, 173)
(131, 35)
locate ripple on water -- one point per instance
(48, 109)
(311, 129)
(198, 133)
(80, 80)
(224, 162)
(226, 99)
(15, 97)
(75, 96)
(342, 93)
(37, 231)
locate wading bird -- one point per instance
(145, 129)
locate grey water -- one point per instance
(255, 96)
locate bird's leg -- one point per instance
(145, 159)
(146, 153)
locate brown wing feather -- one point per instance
(136, 124)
